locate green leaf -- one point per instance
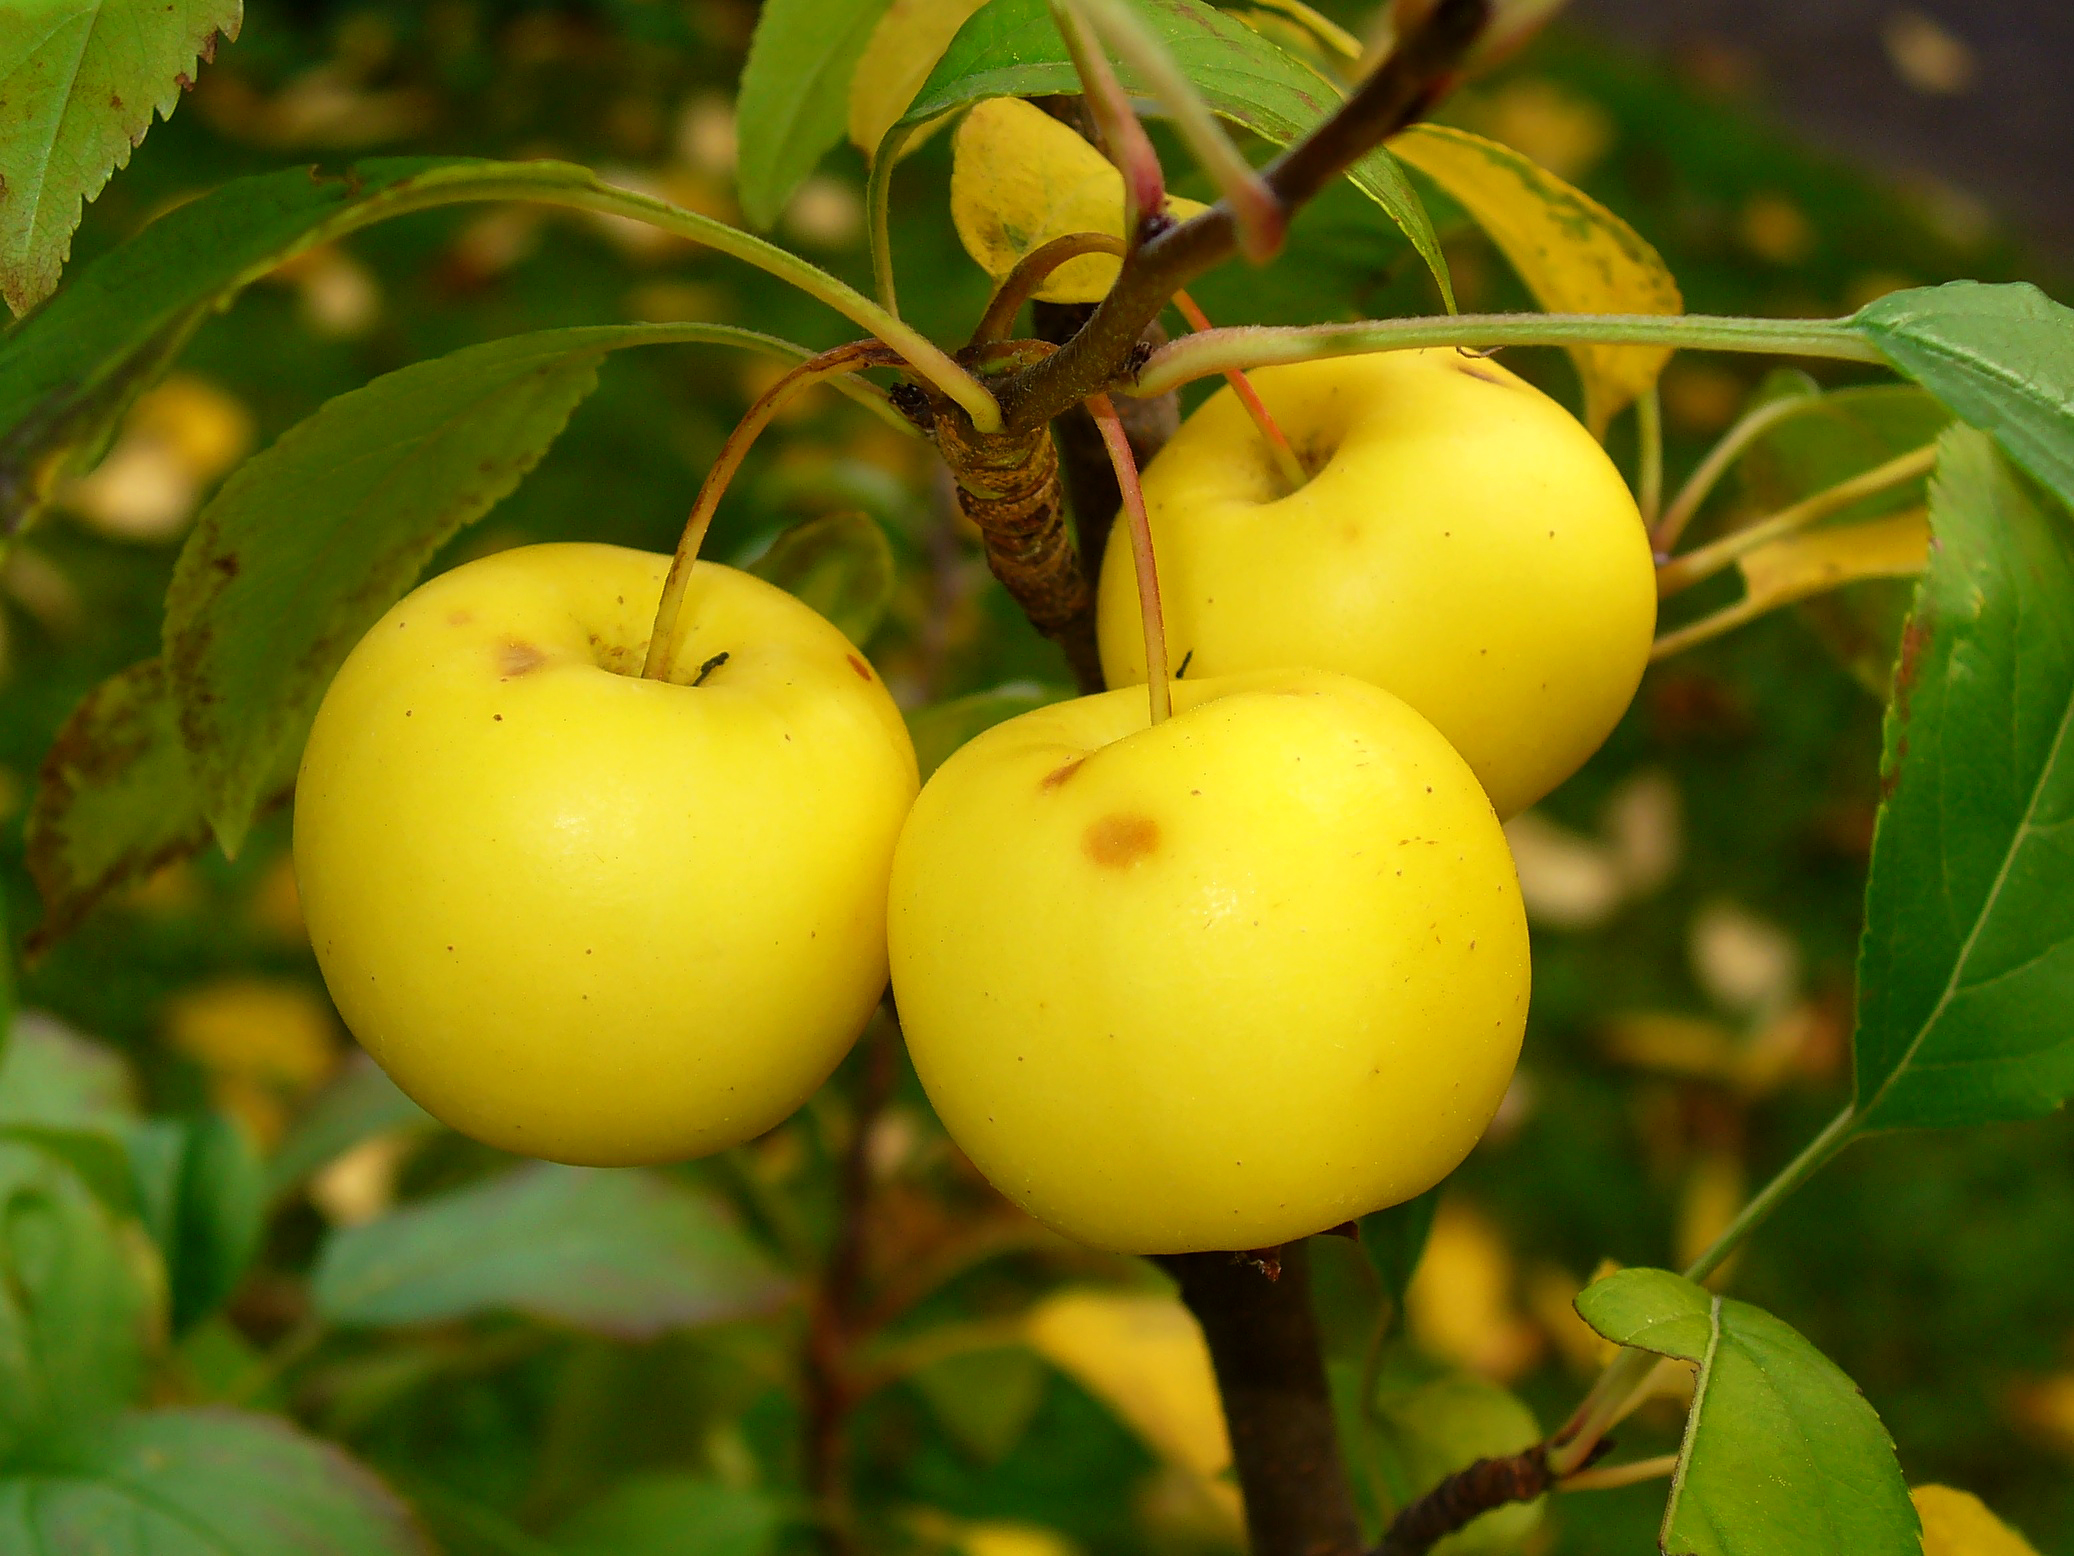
(2000, 356)
(305, 547)
(115, 799)
(1424, 1430)
(361, 1103)
(1012, 49)
(619, 1252)
(1782, 1455)
(942, 727)
(795, 97)
(841, 564)
(79, 82)
(202, 1483)
(984, 1400)
(669, 1514)
(51, 1076)
(1829, 439)
(79, 1302)
(1395, 1240)
(201, 1190)
(1966, 971)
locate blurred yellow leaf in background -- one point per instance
(1574, 255)
(1463, 1304)
(1958, 1523)
(177, 440)
(1020, 178)
(265, 1044)
(1006, 1539)
(905, 46)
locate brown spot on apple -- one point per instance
(459, 618)
(517, 658)
(1058, 775)
(863, 670)
(1120, 840)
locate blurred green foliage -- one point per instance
(1735, 805)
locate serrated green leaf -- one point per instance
(2000, 356)
(202, 1483)
(795, 94)
(1011, 48)
(1782, 1455)
(841, 565)
(79, 83)
(1966, 971)
(620, 1252)
(667, 1514)
(79, 1302)
(311, 541)
(361, 1103)
(201, 1191)
(942, 727)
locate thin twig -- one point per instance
(1704, 562)
(1286, 464)
(1030, 273)
(1649, 436)
(1686, 506)
(1123, 138)
(1613, 1476)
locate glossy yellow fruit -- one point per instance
(586, 916)
(1216, 984)
(1462, 542)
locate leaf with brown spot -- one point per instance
(328, 528)
(114, 800)
(79, 82)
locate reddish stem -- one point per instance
(667, 637)
(1156, 678)
(1286, 462)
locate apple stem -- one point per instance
(1029, 274)
(1287, 465)
(667, 636)
(1649, 434)
(1156, 681)
(1123, 137)
(1734, 443)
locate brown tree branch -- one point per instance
(1465, 1495)
(1284, 1442)
(1399, 92)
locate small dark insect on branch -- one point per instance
(709, 667)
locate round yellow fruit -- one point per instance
(1462, 542)
(1214, 984)
(586, 916)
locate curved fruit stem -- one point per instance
(1286, 464)
(1734, 443)
(1683, 572)
(878, 202)
(1158, 685)
(1219, 350)
(1029, 273)
(667, 636)
(1614, 1476)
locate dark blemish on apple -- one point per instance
(1119, 841)
(1059, 775)
(456, 618)
(860, 666)
(516, 658)
(709, 667)
(498, 717)
(1481, 375)
(1183, 670)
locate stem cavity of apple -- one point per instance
(1158, 685)
(1283, 457)
(666, 638)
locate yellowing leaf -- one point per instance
(1020, 178)
(1957, 1523)
(1143, 1357)
(1461, 1304)
(1006, 1539)
(263, 1043)
(1574, 255)
(1897, 546)
(905, 46)
(177, 440)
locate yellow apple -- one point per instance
(1216, 983)
(1462, 541)
(591, 917)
